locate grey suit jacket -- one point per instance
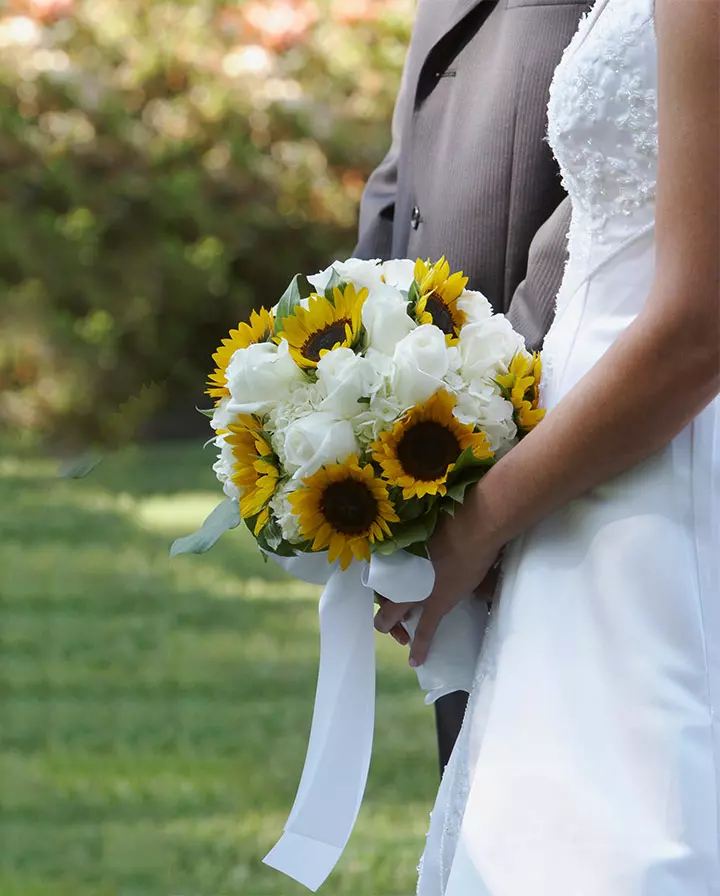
(469, 173)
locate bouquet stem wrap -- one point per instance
(338, 757)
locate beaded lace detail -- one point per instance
(603, 129)
(602, 116)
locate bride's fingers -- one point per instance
(424, 634)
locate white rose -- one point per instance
(475, 305)
(487, 347)
(421, 361)
(344, 378)
(259, 376)
(399, 273)
(385, 319)
(358, 271)
(315, 440)
(222, 417)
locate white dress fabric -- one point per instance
(589, 761)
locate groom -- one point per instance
(469, 175)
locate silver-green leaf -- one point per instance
(78, 467)
(298, 290)
(225, 516)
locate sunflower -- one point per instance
(259, 329)
(345, 508)
(420, 451)
(324, 325)
(521, 386)
(255, 472)
(439, 291)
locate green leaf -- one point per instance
(334, 281)
(272, 534)
(411, 509)
(413, 297)
(416, 531)
(78, 467)
(419, 550)
(467, 459)
(298, 290)
(270, 539)
(457, 490)
(225, 516)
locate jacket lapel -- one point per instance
(434, 20)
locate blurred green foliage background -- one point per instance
(155, 712)
(165, 165)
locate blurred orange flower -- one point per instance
(279, 24)
(350, 12)
(44, 10)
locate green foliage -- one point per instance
(298, 290)
(164, 167)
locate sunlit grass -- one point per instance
(155, 713)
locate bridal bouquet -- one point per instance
(347, 419)
(364, 404)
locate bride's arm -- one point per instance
(665, 368)
(660, 373)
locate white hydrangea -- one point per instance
(380, 415)
(304, 399)
(282, 511)
(224, 467)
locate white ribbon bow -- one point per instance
(338, 757)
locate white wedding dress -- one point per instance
(589, 762)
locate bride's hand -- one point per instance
(460, 563)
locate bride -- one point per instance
(589, 763)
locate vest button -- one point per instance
(415, 218)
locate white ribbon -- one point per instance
(338, 756)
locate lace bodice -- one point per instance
(602, 125)
(603, 129)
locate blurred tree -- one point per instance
(164, 167)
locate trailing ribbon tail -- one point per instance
(333, 781)
(338, 757)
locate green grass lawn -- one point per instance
(155, 712)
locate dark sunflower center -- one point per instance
(349, 506)
(427, 449)
(324, 340)
(441, 315)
